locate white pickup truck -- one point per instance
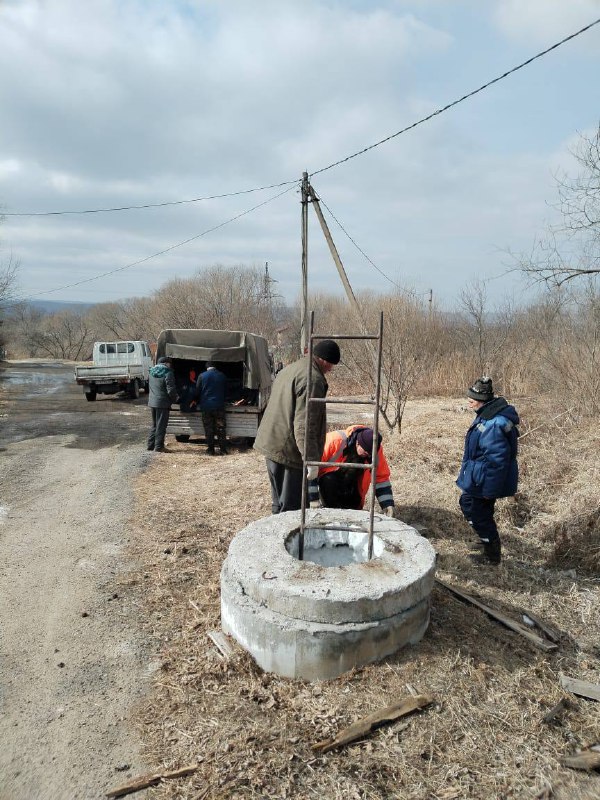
(116, 367)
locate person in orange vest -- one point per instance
(347, 488)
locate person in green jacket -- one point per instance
(282, 432)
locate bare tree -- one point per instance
(572, 249)
(8, 280)
(484, 332)
(64, 335)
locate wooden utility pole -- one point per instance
(304, 307)
(335, 255)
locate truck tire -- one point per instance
(90, 396)
(134, 389)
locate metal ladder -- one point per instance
(346, 401)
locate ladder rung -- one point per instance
(345, 401)
(345, 336)
(343, 464)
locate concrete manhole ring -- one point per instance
(304, 619)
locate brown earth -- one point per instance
(251, 734)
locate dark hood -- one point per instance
(498, 406)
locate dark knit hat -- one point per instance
(365, 439)
(481, 390)
(328, 350)
(164, 360)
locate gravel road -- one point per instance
(73, 660)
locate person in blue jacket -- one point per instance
(489, 467)
(210, 394)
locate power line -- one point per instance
(360, 250)
(456, 102)
(330, 166)
(146, 205)
(154, 255)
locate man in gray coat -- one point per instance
(282, 432)
(161, 393)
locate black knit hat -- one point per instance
(481, 390)
(328, 350)
(164, 360)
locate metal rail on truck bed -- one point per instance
(241, 421)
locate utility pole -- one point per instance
(430, 302)
(304, 307)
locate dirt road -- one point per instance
(72, 661)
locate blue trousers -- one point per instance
(479, 513)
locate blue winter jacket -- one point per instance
(210, 390)
(489, 465)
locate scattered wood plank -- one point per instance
(369, 723)
(558, 710)
(587, 759)
(150, 780)
(581, 688)
(536, 640)
(552, 633)
(222, 643)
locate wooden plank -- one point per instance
(150, 780)
(548, 630)
(222, 643)
(537, 641)
(581, 688)
(367, 724)
(587, 760)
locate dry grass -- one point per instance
(252, 732)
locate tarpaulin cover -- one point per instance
(229, 346)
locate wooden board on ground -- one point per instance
(536, 640)
(582, 688)
(150, 780)
(367, 724)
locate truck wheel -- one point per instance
(89, 396)
(134, 389)
(182, 437)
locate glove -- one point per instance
(312, 473)
(389, 511)
(316, 504)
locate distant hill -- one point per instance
(51, 306)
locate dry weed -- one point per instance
(252, 732)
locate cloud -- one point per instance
(543, 21)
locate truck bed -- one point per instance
(85, 374)
(241, 421)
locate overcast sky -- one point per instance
(108, 103)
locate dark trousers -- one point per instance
(160, 420)
(479, 513)
(286, 487)
(339, 489)
(214, 424)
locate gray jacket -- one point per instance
(282, 432)
(162, 389)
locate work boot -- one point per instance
(210, 451)
(492, 553)
(224, 451)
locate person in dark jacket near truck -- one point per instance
(489, 467)
(210, 394)
(162, 391)
(282, 431)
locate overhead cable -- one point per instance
(435, 113)
(154, 255)
(146, 205)
(456, 102)
(360, 250)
